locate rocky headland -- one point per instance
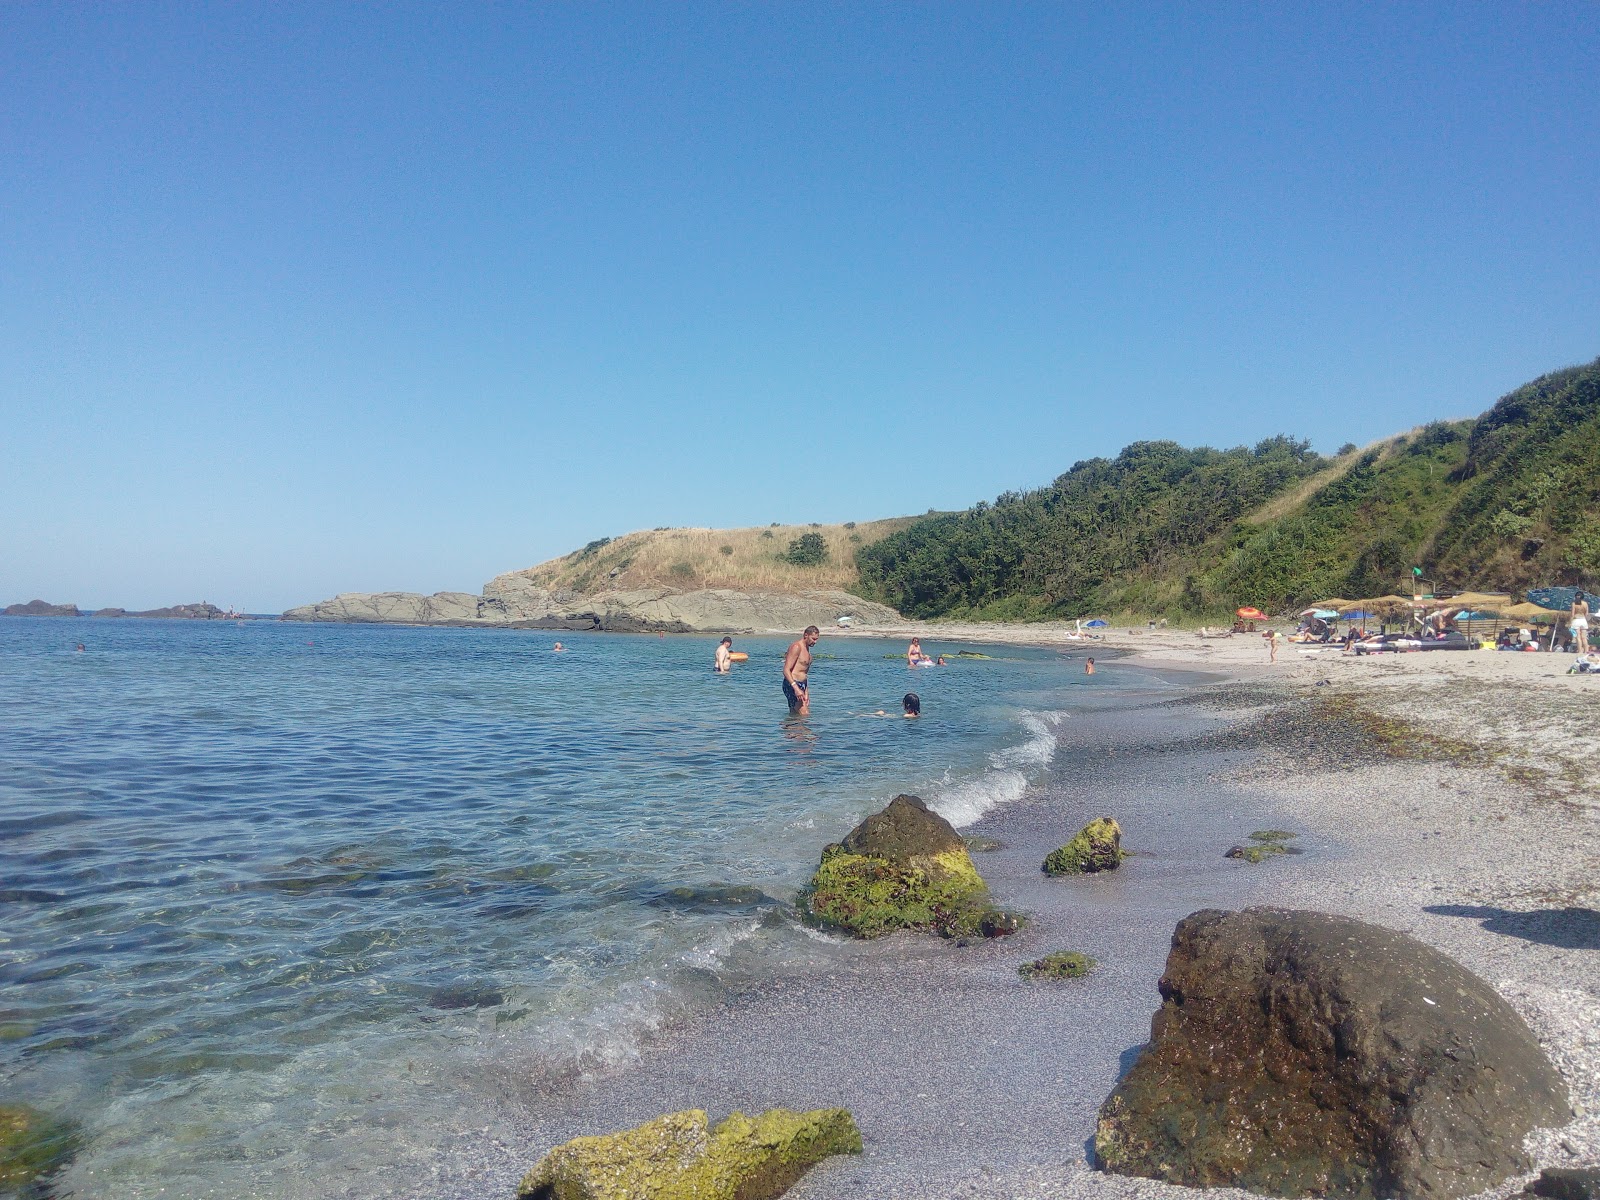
(514, 601)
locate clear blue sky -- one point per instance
(306, 298)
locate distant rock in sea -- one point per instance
(513, 600)
(39, 608)
(187, 612)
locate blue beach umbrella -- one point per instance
(1477, 616)
(1556, 599)
(1358, 615)
(1097, 623)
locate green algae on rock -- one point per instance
(32, 1146)
(1059, 964)
(903, 868)
(1096, 847)
(680, 1157)
(1268, 843)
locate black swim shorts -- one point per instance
(795, 694)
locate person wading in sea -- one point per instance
(796, 666)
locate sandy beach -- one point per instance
(1451, 796)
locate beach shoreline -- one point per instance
(1520, 710)
(967, 1081)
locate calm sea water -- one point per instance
(284, 909)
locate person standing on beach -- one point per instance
(796, 669)
(724, 660)
(1580, 621)
(1273, 638)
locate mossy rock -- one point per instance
(1273, 835)
(1061, 964)
(680, 1157)
(907, 833)
(32, 1146)
(1265, 844)
(869, 897)
(903, 868)
(1096, 847)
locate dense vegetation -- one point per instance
(1503, 502)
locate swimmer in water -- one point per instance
(1088, 667)
(796, 672)
(910, 704)
(723, 662)
(559, 647)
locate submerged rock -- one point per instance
(903, 868)
(1300, 1054)
(32, 1146)
(679, 1157)
(1061, 964)
(1264, 844)
(1097, 847)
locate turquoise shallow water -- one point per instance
(285, 901)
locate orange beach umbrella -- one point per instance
(1251, 614)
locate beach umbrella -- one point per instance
(1382, 605)
(1357, 614)
(1097, 623)
(1533, 614)
(1323, 614)
(1555, 599)
(1251, 614)
(1469, 615)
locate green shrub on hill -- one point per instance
(1504, 502)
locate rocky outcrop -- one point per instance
(402, 608)
(1095, 847)
(40, 608)
(903, 868)
(32, 1147)
(183, 612)
(680, 1157)
(1300, 1054)
(700, 610)
(512, 600)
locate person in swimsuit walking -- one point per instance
(796, 668)
(1580, 621)
(723, 662)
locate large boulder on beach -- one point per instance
(1301, 1054)
(903, 868)
(32, 1146)
(680, 1157)
(1095, 847)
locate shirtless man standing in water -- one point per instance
(796, 666)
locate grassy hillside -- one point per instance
(755, 559)
(1503, 502)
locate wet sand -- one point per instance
(968, 1081)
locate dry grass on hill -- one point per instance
(742, 559)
